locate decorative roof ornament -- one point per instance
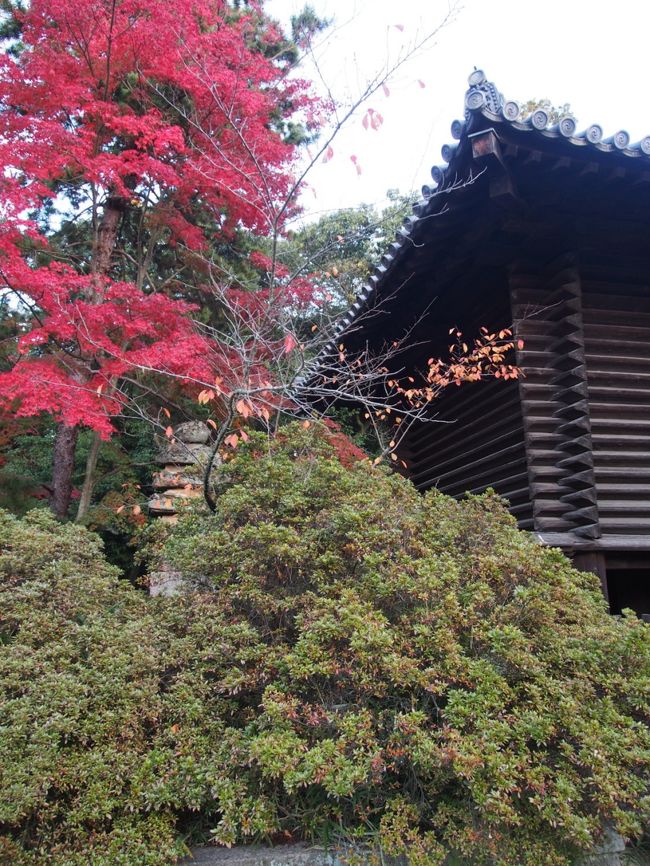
(594, 133)
(567, 126)
(483, 99)
(482, 94)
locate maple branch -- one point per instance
(214, 450)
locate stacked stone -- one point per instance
(180, 479)
(183, 458)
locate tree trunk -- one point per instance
(106, 236)
(66, 437)
(65, 445)
(89, 477)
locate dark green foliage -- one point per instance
(123, 477)
(341, 248)
(306, 25)
(369, 662)
(25, 463)
(10, 25)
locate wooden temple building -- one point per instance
(547, 229)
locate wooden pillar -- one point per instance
(593, 561)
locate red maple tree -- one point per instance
(133, 127)
(116, 108)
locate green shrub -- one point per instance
(110, 729)
(369, 661)
(428, 669)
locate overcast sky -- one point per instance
(592, 54)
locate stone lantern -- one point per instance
(182, 458)
(181, 478)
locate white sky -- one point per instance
(593, 54)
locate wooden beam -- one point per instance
(546, 303)
(487, 149)
(607, 542)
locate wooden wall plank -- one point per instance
(616, 312)
(479, 442)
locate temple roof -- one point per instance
(488, 111)
(483, 99)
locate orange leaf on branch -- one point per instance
(244, 408)
(205, 396)
(290, 343)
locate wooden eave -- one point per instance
(496, 154)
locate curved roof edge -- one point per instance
(482, 100)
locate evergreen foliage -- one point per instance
(366, 664)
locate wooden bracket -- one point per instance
(487, 148)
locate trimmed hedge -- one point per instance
(370, 663)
